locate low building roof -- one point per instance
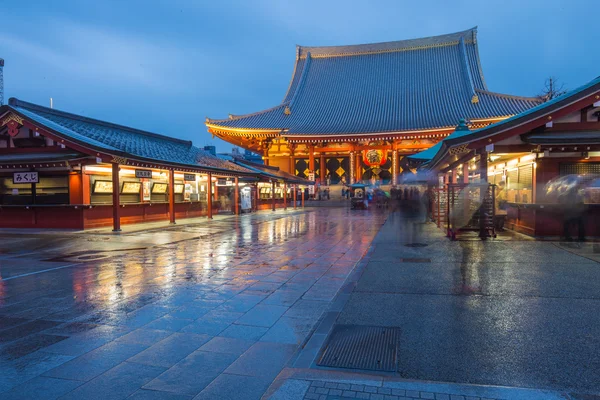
(121, 140)
(401, 86)
(536, 113)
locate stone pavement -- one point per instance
(495, 313)
(207, 311)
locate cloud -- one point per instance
(108, 56)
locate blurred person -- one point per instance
(573, 209)
(500, 207)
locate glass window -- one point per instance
(49, 190)
(52, 190)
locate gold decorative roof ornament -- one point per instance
(475, 99)
(230, 116)
(12, 117)
(287, 110)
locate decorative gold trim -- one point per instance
(247, 130)
(12, 117)
(287, 110)
(475, 99)
(458, 150)
(118, 160)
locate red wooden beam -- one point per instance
(273, 194)
(172, 196)
(295, 188)
(236, 197)
(116, 206)
(209, 196)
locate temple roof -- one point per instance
(538, 112)
(121, 140)
(407, 85)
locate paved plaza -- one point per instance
(209, 310)
(240, 308)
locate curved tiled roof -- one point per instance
(465, 136)
(113, 138)
(408, 85)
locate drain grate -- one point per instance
(415, 260)
(362, 347)
(416, 245)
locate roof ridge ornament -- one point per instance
(475, 99)
(287, 110)
(462, 125)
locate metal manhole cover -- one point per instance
(362, 347)
(415, 260)
(416, 245)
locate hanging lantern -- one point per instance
(374, 157)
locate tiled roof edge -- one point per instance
(287, 92)
(236, 117)
(35, 107)
(301, 81)
(383, 47)
(510, 96)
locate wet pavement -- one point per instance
(206, 311)
(511, 313)
(220, 309)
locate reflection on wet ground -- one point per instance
(511, 313)
(187, 310)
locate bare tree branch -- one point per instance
(552, 89)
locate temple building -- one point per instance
(531, 160)
(352, 113)
(62, 170)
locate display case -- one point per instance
(159, 188)
(131, 187)
(102, 187)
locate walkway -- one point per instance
(490, 315)
(207, 311)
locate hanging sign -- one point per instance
(221, 182)
(143, 173)
(189, 177)
(374, 157)
(25, 177)
(311, 188)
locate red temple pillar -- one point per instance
(302, 197)
(284, 195)
(454, 176)
(323, 168)
(273, 194)
(311, 158)
(295, 187)
(209, 196)
(256, 197)
(483, 194)
(358, 167)
(236, 195)
(172, 196)
(115, 198)
(465, 172)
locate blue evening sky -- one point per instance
(163, 65)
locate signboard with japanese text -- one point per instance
(189, 177)
(143, 173)
(311, 188)
(25, 177)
